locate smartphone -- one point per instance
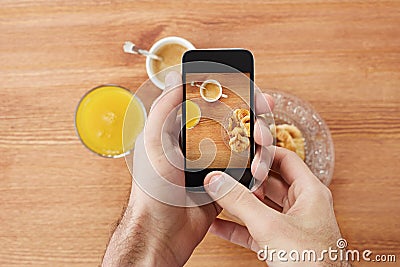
(217, 114)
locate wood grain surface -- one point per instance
(58, 201)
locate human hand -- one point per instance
(152, 233)
(301, 217)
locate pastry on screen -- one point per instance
(289, 137)
(239, 142)
(239, 130)
(245, 123)
(240, 113)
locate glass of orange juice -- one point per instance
(108, 119)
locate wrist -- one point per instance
(138, 242)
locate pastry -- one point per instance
(239, 130)
(245, 123)
(240, 113)
(289, 137)
(239, 143)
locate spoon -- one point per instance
(131, 48)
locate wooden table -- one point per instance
(58, 201)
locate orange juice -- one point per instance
(108, 120)
(193, 114)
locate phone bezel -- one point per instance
(239, 61)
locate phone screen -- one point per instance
(218, 120)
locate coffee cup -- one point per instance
(170, 49)
(211, 91)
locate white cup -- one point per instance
(154, 49)
(203, 87)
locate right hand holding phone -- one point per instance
(305, 219)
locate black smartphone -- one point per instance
(217, 114)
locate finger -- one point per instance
(261, 164)
(262, 133)
(264, 103)
(165, 106)
(170, 144)
(267, 201)
(234, 233)
(276, 188)
(291, 167)
(259, 193)
(236, 198)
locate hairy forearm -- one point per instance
(135, 242)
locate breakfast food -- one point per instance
(239, 130)
(240, 113)
(171, 55)
(211, 91)
(193, 114)
(290, 137)
(245, 123)
(239, 142)
(102, 117)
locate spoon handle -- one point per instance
(148, 54)
(131, 48)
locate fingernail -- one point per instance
(261, 171)
(216, 183)
(264, 128)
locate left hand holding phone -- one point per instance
(152, 233)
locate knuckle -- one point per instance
(328, 194)
(316, 192)
(241, 196)
(291, 155)
(324, 193)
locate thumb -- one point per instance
(236, 198)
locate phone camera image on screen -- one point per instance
(217, 118)
(217, 121)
